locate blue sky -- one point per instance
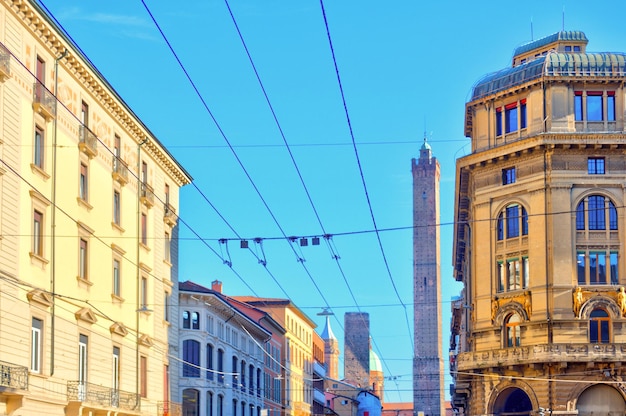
(406, 69)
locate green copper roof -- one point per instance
(570, 35)
(375, 364)
(553, 64)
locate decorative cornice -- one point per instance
(45, 30)
(118, 328)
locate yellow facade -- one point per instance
(88, 230)
(539, 236)
(298, 360)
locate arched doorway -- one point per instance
(512, 402)
(601, 399)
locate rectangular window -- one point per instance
(38, 233)
(144, 292)
(595, 166)
(84, 114)
(614, 267)
(220, 366)
(117, 146)
(501, 274)
(83, 343)
(83, 256)
(167, 246)
(597, 268)
(522, 114)
(117, 208)
(143, 369)
(39, 149)
(499, 121)
(144, 229)
(510, 118)
(594, 106)
(610, 106)
(578, 105)
(166, 307)
(581, 267)
(116, 278)
(84, 182)
(116, 368)
(35, 345)
(508, 176)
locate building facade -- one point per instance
(222, 355)
(539, 235)
(298, 358)
(427, 360)
(88, 255)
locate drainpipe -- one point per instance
(54, 210)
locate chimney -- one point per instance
(216, 286)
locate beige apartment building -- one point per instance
(298, 359)
(87, 234)
(539, 236)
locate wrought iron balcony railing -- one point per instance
(5, 63)
(169, 409)
(170, 216)
(120, 170)
(13, 376)
(87, 141)
(100, 396)
(44, 102)
(146, 195)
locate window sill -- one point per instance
(167, 262)
(84, 203)
(118, 227)
(116, 298)
(144, 246)
(84, 281)
(39, 172)
(38, 260)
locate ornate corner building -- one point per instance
(539, 236)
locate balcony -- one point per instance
(170, 216)
(13, 378)
(5, 63)
(87, 395)
(44, 102)
(87, 141)
(542, 353)
(169, 409)
(120, 170)
(146, 195)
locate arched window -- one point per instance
(191, 358)
(186, 320)
(243, 376)
(220, 405)
(512, 222)
(512, 330)
(209, 403)
(220, 367)
(599, 326)
(594, 212)
(235, 371)
(209, 362)
(191, 402)
(195, 320)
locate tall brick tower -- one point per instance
(427, 360)
(356, 363)
(331, 351)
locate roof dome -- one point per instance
(375, 364)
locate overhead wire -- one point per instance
(295, 164)
(358, 160)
